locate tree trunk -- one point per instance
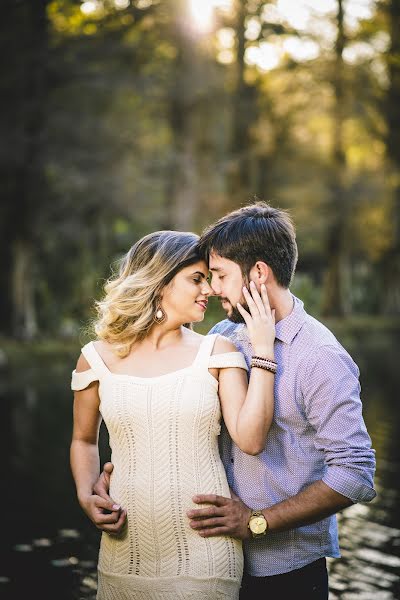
(335, 297)
(243, 115)
(23, 109)
(24, 314)
(182, 197)
(390, 264)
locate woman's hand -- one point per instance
(260, 321)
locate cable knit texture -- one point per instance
(164, 439)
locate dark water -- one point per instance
(50, 548)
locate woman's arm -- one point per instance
(248, 410)
(84, 454)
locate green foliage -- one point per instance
(146, 127)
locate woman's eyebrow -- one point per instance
(200, 273)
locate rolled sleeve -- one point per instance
(333, 408)
(344, 482)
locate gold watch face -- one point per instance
(258, 525)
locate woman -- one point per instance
(161, 389)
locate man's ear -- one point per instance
(260, 273)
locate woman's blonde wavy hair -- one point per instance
(125, 314)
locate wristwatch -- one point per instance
(258, 524)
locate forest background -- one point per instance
(123, 117)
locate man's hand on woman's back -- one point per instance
(101, 489)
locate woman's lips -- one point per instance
(203, 304)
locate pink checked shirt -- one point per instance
(318, 433)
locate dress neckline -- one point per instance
(156, 377)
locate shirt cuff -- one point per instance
(348, 484)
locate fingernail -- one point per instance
(252, 283)
(116, 506)
(263, 286)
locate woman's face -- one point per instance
(185, 298)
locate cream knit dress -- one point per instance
(164, 439)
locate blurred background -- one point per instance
(121, 117)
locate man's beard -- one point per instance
(235, 315)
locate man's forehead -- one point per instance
(219, 263)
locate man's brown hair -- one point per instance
(252, 233)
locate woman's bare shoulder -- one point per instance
(82, 364)
(222, 345)
(104, 350)
(107, 353)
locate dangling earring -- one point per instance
(160, 315)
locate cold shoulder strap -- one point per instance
(81, 380)
(226, 360)
(94, 359)
(205, 359)
(97, 369)
(206, 347)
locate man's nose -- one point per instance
(215, 289)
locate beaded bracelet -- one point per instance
(264, 363)
(259, 365)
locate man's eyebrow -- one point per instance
(216, 269)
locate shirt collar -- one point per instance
(287, 328)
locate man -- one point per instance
(318, 457)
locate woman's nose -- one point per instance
(207, 289)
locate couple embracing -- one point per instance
(241, 443)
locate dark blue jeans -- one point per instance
(308, 583)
